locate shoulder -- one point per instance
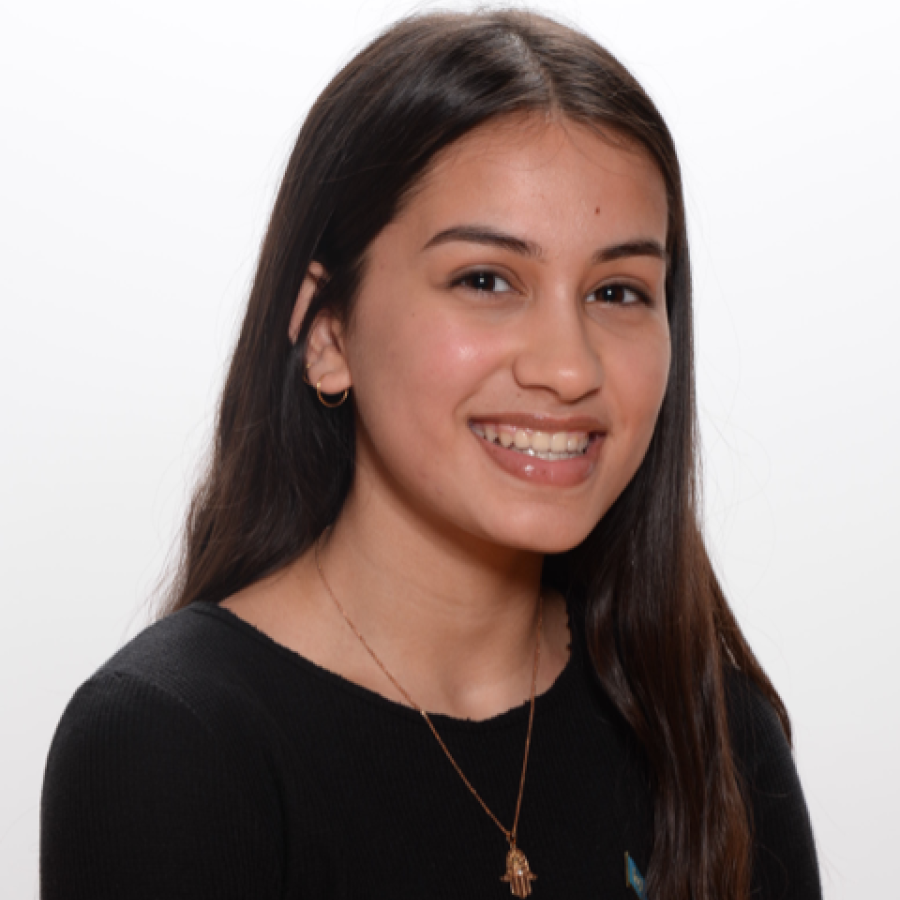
(757, 734)
(181, 697)
(191, 646)
(200, 671)
(149, 771)
(785, 862)
(202, 660)
(180, 688)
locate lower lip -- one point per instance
(557, 473)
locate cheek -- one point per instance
(638, 376)
(413, 368)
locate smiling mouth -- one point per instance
(545, 445)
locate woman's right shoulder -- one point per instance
(184, 654)
(181, 673)
(152, 769)
(199, 668)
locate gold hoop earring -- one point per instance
(324, 402)
(306, 374)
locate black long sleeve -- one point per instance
(785, 864)
(142, 800)
(206, 761)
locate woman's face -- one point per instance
(509, 348)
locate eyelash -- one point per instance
(617, 286)
(467, 279)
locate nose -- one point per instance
(556, 352)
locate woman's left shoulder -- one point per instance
(757, 734)
(785, 862)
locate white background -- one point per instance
(141, 147)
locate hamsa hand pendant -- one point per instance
(517, 873)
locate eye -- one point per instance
(484, 283)
(619, 295)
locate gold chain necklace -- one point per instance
(518, 874)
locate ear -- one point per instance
(314, 277)
(325, 361)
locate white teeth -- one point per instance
(542, 444)
(559, 442)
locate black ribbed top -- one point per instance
(204, 760)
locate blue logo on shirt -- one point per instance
(633, 878)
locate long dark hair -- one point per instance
(660, 631)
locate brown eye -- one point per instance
(485, 282)
(618, 295)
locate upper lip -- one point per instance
(542, 422)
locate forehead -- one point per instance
(553, 175)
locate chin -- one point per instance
(553, 534)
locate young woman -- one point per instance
(445, 625)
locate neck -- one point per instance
(452, 618)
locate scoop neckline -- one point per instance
(542, 702)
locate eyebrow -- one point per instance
(483, 234)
